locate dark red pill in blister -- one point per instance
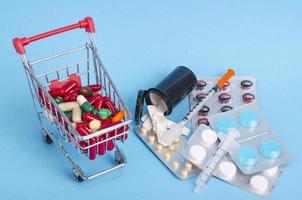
(246, 84)
(200, 97)
(203, 121)
(248, 97)
(204, 111)
(226, 108)
(224, 98)
(201, 85)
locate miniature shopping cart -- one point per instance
(92, 71)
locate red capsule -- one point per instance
(57, 92)
(83, 146)
(93, 99)
(105, 124)
(248, 97)
(55, 84)
(95, 87)
(102, 146)
(69, 86)
(110, 105)
(83, 124)
(83, 131)
(99, 103)
(70, 97)
(121, 130)
(88, 117)
(76, 78)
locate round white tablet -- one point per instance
(198, 153)
(227, 169)
(259, 183)
(271, 172)
(209, 137)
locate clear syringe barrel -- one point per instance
(219, 154)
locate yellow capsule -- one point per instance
(175, 165)
(188, 166)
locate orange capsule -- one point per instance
(119, 116)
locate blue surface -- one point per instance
(247, 156)
(140, 42)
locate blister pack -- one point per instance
(201, 146)
(261, 183)
(169, 155)
(259, 147)
(237, 91)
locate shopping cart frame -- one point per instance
(47, 109)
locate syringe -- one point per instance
(219, 154)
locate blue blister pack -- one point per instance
(259, 147)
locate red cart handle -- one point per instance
(19, 43)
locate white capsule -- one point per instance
(76, 114)
(209, 137)
(271, 172)
(198, 153)
(227, 169)
(81, 99)
(68, 106)
(259, 183)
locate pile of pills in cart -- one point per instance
(254, 159)
(87, 110)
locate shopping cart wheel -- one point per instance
(77, 176)
(48, 139)
(119, 155)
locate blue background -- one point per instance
(140, 42)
